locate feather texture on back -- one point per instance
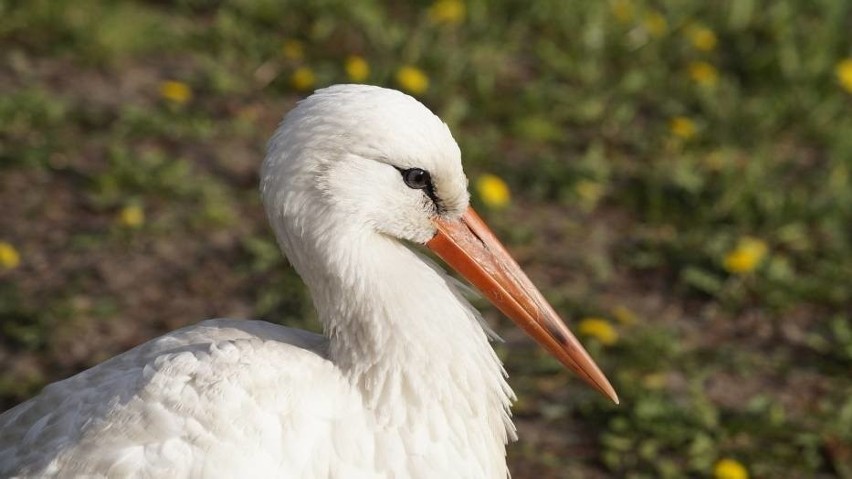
(224, 398)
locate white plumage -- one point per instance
(402, 384)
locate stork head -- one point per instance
(372, 159)
(374, 156)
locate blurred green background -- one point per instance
(675, 175)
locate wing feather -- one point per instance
(224, 398)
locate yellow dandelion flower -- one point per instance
(656, 24)
(447, 11)
(293, 49)
(624, 315)
(590, 192)
(682, 127)
(600, 329)
(357, 69)
(729, 469)
(131, 216)
(412, 79)
(702, 38)
(844, 74)
(303, 79)
(175, 91)
(622, 10)
(746, 256)
(493, 191)
(703, 73)
(9, 256)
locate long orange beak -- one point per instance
(469, 246)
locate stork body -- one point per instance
(230, 398)
(402, 384)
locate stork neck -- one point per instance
(409, 342)
(404, 335)
(393, 313)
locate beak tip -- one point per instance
(607, 390)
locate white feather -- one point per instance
(403, 384)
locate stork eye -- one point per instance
(416, 178)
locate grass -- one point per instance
(643, 143)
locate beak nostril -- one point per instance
(476, 235)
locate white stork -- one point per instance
(403, 383)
